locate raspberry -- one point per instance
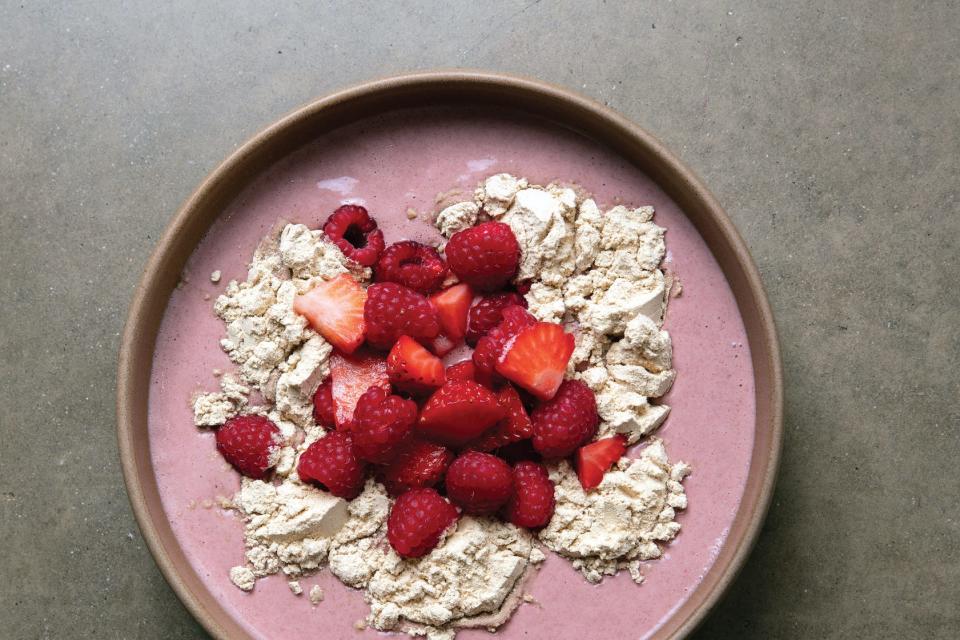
(490, 346)
(323, 411)
(487, 314)
(485, 256)
(332, 464)
(393, 310)
(532, 503)
(248, 443)
(382, 424)
(413, 265)
(352, 229)
(566, 421)
(420, 464)
(418, 519)
(479, 483)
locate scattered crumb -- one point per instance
(224, 502)
(206, 296)
(443, 195)
(316, 594)
(215, 276)
(360, 625)
(192, 505)
(243, 578)
(207, 503)
(411, 213)
(528, 598)
(217, 373)
(295, 587)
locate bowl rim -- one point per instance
(561, 105)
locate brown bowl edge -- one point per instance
(419, 89)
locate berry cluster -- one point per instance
(468, 438)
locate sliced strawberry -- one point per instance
(594, 459)
(514, 427)
(463, 370)
(459, 412)
(335, 310)
(452, 306)
(413, 369)
(536, 358)
(352, 376)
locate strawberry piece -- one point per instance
(479, 483)
(490, 347)
(417, 520)
(485, 256)
(596, 458)
(413, 369)
(533, 501)
(352, 376)
(488, 312)
(393, 310)
(420, 464)
(332, 464)
(462, 371)
(459, 412)
(355, 233)
(566, 421)
(452, 306)
(335, 310)
(536, 358)
(382, 424)
(413, 265)
(324, 412)
(514, 427)
(248, 443)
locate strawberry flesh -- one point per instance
(335, 310)
(536, 358)
(413, 369)
(352, 376)
(596, 458)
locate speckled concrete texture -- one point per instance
(829, 130)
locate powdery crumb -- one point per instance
(243, 578)
(316, 595)
(411, 213)
(207, 503)
(457, 217)
(295, 587)
(215, 276)
(360, 625)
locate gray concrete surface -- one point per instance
(829, 130)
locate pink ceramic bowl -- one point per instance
(395, 143)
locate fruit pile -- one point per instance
(469, 438)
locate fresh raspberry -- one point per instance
(393, 310)
(248, 443)
(479, 483)
(417, 520)
(490, 346)
(352, 229)
(532, 503)
(420, 464)
(462, 371)
(413, 265)
(332, 464)
(324, 412)
(566, 421)
(382, 424)
(459, 412)
(488, 312)
(485, 256)
(514, 427)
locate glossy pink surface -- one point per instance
(402, 161)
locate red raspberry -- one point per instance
(413, 265)
(323, 411)
(566, 421)
(485, 256)
(248, 443)
(532, 503)
(418, 519)
(382, 424)
(488, 312)
(332, 464)
(420, 464)
(479, 483)
(393, 310)
(490, 346)
(352, 229)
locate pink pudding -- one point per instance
(402, 161)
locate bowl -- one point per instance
(467, 91)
